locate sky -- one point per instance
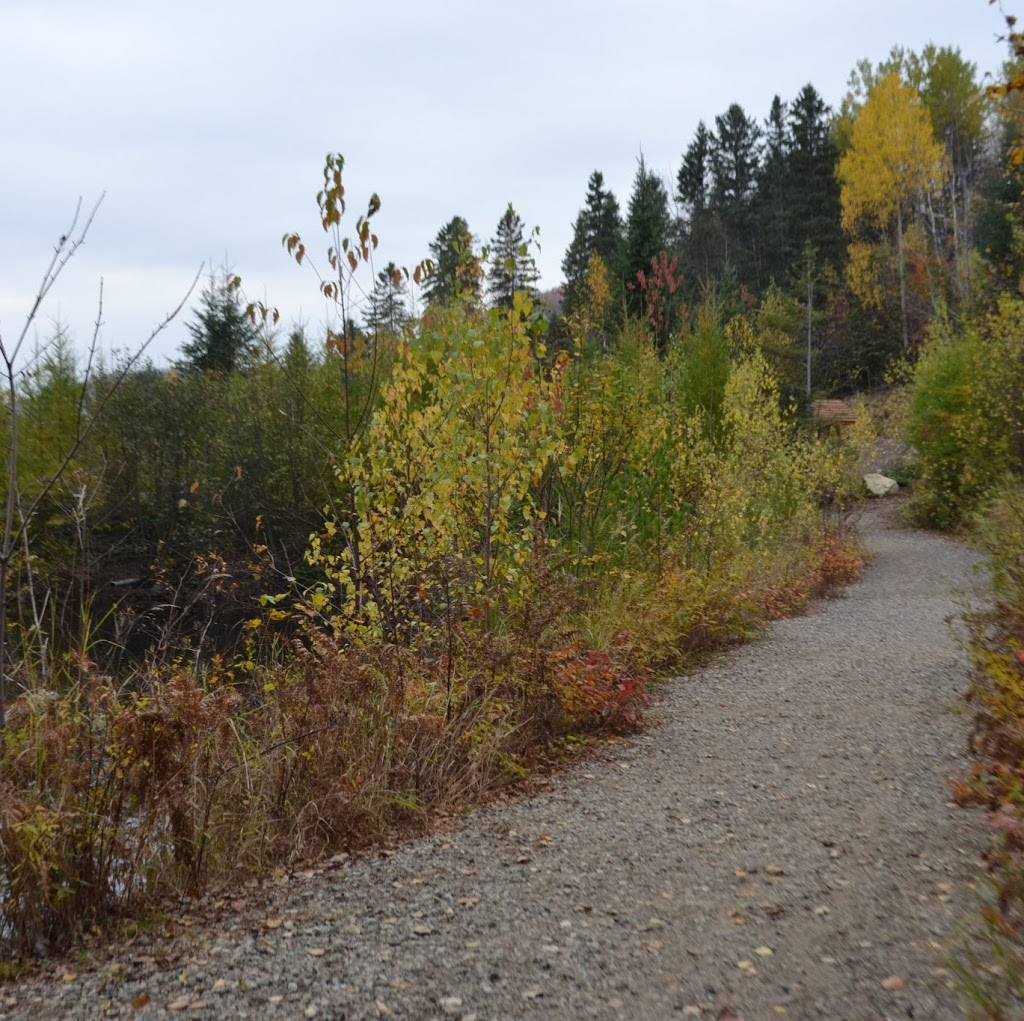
(204, 125)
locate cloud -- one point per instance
(207, 124)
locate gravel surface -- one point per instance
(779, 843)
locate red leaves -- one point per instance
(596, 689)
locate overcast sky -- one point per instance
(206, 123)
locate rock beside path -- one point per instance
(779, 844)
(880, 485)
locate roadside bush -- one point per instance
(967, 414)
(996, 779)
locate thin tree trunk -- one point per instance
(810, 320)
(903, 279)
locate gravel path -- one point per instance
(779, 843)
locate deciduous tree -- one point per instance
(892, 164)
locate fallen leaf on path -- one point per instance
(764, 951)
(316, 951)
(892, 983)
(179, 1004)
(140, 1001)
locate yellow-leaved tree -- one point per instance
(892, 165)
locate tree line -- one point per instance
(871, 220)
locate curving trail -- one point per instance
(779, 844)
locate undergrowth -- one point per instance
(514, 543)
(995, 985)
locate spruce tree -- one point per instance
(693, 183)
(735, 159)
(222, 337)
(812, 188)
(648, 230)
(701, 238)
(457, 272)
(512, 267)
(387, 311)
(597, 231)
(771, 201)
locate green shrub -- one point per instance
(967, 414)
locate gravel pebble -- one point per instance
(780, 843)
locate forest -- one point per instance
(309, 588)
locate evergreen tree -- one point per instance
(457, 271)
(222, 338)
(771, 205)
(512, 266)
(693, 183)
(648, 230)
(735, 159)
(812, 188)
(597, 231)
(700, 230)
(388, 311)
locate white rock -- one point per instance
(880, 485)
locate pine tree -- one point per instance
(512, 266)
(222, 338)
(457, 271)
(648, 230)
(597, 231)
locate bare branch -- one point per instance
(119, 378)
(63, 251)
(93, 344)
